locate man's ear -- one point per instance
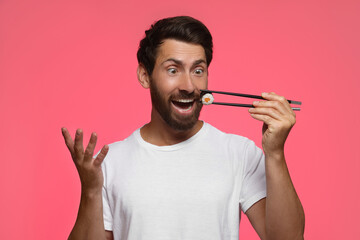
(143, 76)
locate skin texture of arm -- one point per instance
(280, 215)
(109, 235)
(89, 223)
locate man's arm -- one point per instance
(89, 223)
(280, 215)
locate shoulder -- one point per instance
(120, 149)
(242, 152)
(230, 140)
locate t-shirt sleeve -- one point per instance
(108, 219)
(253, 186)
(107, 215)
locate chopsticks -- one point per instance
(204, 91)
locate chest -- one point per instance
(181, 182)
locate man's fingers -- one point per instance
(268, 112)
(78, 145)
(263, 118)
(89, 152)
(68, 140)
(274, 97)
(77, 150)
(272, 104)
(100, 157)
(274, 109)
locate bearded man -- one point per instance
(178, 177)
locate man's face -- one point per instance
(179, 73)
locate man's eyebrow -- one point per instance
(173, 60)
(197, 62)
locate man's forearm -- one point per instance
(89, 223)
(284, 213)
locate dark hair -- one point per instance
(182, 28)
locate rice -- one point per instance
(207, 99)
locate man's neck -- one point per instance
(158, 132)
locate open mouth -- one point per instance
(183, 105)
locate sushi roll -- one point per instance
(207, 99)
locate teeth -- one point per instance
(185, 100)
(187, 108)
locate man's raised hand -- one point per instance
(278, 118)
(89, 168)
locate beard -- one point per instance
(172, 118)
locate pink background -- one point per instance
(73, 63)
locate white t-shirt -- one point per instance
(188, 191)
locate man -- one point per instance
(178, 177)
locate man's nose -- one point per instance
(187, 83)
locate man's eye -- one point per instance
(172, 70)
(199, 71)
